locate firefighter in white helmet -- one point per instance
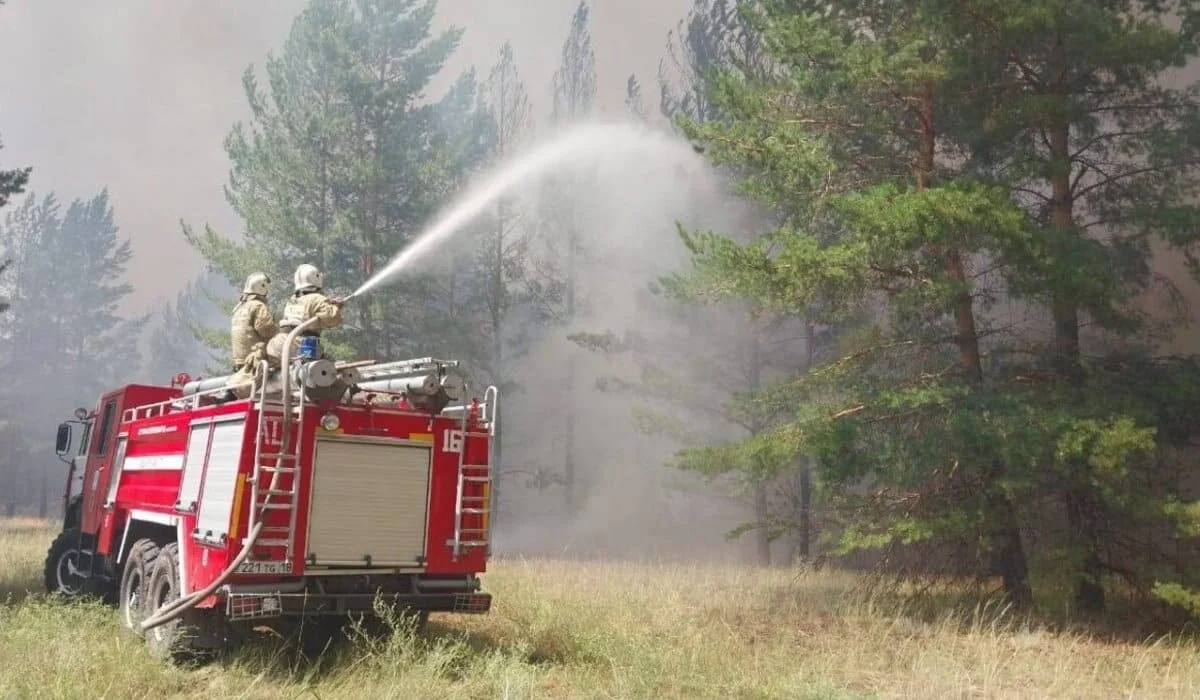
(252, 325)
(251, 329)
(307, 301)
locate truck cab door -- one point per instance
(98, 470)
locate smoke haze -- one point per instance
(137, 96)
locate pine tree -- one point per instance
(1086, 132)
(65, 329)
(503, 259)
(178, 341)
(342, 162)
(5, 261)
(11, 182)
(574, 86)
(846, 142)
(633, 97)
(715, 36)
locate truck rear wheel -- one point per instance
(194, 633)
(135, 582)
(61, 573)
(170, 640)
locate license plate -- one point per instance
(265, 567)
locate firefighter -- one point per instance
(252, 325)
(307, 301)
(251, 328)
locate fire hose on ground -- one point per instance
(179, 607)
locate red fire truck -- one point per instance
(316, 494)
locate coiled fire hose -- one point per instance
(172, 611)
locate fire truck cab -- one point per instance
(327, 490)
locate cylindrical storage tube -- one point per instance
(201, 385)
(423, 384)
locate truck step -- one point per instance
(272, 542)
(281, 470)
(276, 492)
(477, 479)
(276, 455)
(275, 506)
(475, 511)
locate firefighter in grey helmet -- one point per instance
(307, 301)
(252, 325)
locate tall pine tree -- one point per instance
(1087, 132)
(574, 86)
(343, 161)
(64, 342)
(11, 182)
(715, 36)
(178, 338)
(845, 143)
(503, 259)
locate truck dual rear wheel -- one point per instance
(194, 633)
(170, 639)
(135, 581)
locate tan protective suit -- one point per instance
(302, 306)
(251, 328)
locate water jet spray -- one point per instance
(597, 144)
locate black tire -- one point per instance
(60, 574)
(319, 634)
(168, 641)
(135, 580)
(195, 634)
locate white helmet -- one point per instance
(308, 277)
(256, 284)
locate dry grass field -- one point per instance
(610, 630)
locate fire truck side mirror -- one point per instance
(62, 443)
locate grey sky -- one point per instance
(137, 95)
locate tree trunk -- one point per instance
(569, 459)
(761, 509)
(1064, 309)
(804, 543)
(569, 405)
(1008, 553)
(805, 539)
(1005, 535)
(498, 370)
(761, 518)
(1089, 596)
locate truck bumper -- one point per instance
(242, 606)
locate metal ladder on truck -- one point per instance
(468, 538)
(278, 458)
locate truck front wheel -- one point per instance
(62, 575)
